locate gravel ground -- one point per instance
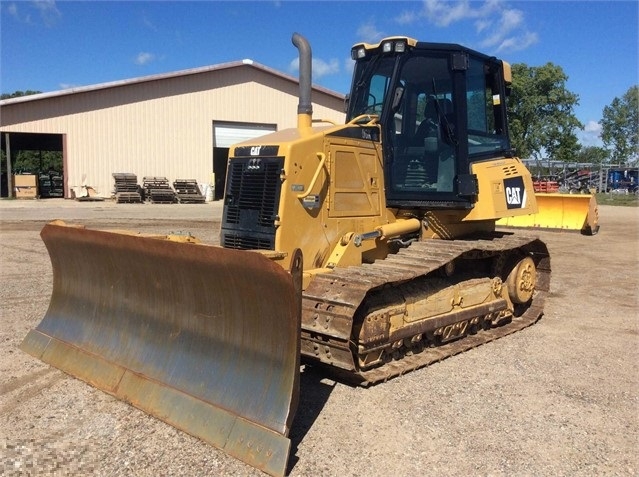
(558, 398)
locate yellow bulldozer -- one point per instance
(559, 211)
(369, 248)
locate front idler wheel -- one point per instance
(521, 281)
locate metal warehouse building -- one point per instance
(175, 125)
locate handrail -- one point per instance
(371, 118)
(322, 157)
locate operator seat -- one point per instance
(437, 151)
(428, 133)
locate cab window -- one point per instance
(485, 109)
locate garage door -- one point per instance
(227, 134)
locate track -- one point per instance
(331, 302)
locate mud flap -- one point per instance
(577, 212)
(204, 338)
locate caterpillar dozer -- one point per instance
(560, 211)
(368, 248)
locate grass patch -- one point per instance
(628, 200)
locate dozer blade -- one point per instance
(577, 212)
(204, 338)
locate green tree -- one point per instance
(17, 94)
(593, 155)
(33, 162)
(541, 113)
(620, 126)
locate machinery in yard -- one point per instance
(369, 248)
(559, 211)
(564, 204)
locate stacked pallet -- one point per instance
(158, 190)
(188, 191)
(50, 185)
(127, 190)
(546, 186)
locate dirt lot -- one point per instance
(559, 398)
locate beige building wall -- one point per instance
(161, 126)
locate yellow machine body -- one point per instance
(336, 196)
(368, 247)
(557, 211)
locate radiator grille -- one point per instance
(245, 242)
(251, 203)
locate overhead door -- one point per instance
(225, 134)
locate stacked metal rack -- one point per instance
(158, 190)
(188, 191)
(50, 184)
(127, 190)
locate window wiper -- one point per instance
(441, 118)
(357, 102)
(367, 73)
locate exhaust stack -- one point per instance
(305, 107)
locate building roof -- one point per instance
(162, 76)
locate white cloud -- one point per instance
(349, 65)
(492, 40)
(407, 17)
(49, 12)
(519, 42)
(369, 33)
(481, 25)
(591, 134)
(320, 67)
(148, 23)
(68, 85)
(12, 9)
(443, 13)
(511, 19)
(144, 58)
(500, 28)
(592, 127)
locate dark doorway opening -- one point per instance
(220, 160)
(41, 155)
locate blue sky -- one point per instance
(49, 45)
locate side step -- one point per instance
(204, 338)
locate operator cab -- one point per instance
(440, 107)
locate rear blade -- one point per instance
(577, 212)
(204, 338)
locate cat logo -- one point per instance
(515, 193)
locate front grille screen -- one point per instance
(251, 202)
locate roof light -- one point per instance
(394, 46)
(358, 53)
